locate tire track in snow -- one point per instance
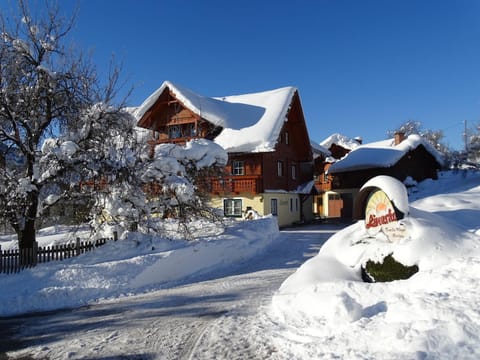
(219, 318)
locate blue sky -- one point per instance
(362, 67)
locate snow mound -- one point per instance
(433, 314)
(131, 266)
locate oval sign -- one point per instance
(380, 215)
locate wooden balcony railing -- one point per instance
(178, 141)
(235, 185)
(323, 186)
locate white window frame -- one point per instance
(274, 208)
(280, 168)
(232, 207)
(294, 172)
(238, 167)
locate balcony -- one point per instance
(323, 187)
(166, 140)
(235, 185)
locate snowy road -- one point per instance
(217, 318)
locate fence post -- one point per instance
(35, 254)
(77, 247)
(115, 236)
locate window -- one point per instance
(232, 207)
(274, 206)
(238, 168)
(291, 204)
(174, 132)
(286, 138)
(280, 168)
(190, 130)
(294, 172)
(333, 197)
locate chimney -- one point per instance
(399, 137)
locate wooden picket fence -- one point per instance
(16, 260)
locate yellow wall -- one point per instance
(288, 206)
(286, 215)
(255, 202)
(324, 196)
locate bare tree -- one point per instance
(433, 137)
(409, 127)
(49, 91)
(473, 145)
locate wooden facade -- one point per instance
(337, 190)
(172, 122)
(247, 174)
(327, 202)
(417, 163)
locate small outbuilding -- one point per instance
(403, 158)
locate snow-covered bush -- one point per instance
(388, 269)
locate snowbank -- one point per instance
(326, 311)
(131, 266)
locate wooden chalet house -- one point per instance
(270, 166)
(329, 203)
(404, 158)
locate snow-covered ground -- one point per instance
(134, 265)
(219, 315)
(322, 310)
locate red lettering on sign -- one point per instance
(374, 221)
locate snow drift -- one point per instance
(434, 314)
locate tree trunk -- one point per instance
(26, 234)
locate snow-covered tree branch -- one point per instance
(64, 143)
(53, 116)
(433, 137)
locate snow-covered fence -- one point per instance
(13, 261)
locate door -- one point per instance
(335, 205)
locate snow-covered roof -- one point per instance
(306, 188)
(250, 122)
(381, 154)
(395, 190)
(319, 149)
(340, 140)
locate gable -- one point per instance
(248, 123)
(166, 109)
(294, 128)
